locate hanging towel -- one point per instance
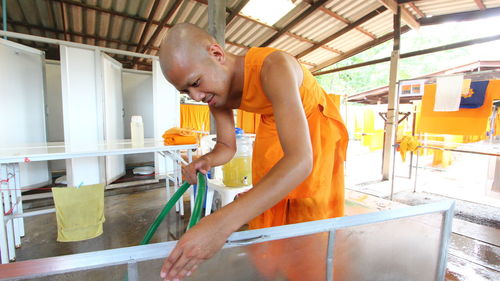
(408, 143)
(448, 93)
(466, 121)
(465, 87)
(474, 97)
(79, 212)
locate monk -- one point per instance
(300, 144)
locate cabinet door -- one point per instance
(22, 113)
(113, 114)
(82, 111)
(166, 113)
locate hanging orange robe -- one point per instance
(321, 195)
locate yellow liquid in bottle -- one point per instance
(238, 172)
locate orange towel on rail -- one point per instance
(321, 195)
(178, 140)
(178, 136)
(466, 121)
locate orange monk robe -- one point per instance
(321, 195)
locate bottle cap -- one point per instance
(137, 119)
(239, 131)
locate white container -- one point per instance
(238, 171)
(137, 131)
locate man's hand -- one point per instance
(197, 245)
(201, 165)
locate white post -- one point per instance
(392, 103)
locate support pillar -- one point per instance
(392, 102)
(216, 28)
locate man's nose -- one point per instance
(197, 95)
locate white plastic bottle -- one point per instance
(137, 131)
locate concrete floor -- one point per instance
(474, 252)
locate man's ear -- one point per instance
(217, 52)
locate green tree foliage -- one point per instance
(361, 79)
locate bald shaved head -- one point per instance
(197, 65)
(184, 44)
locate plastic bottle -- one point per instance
(238, 171)
(137, 131)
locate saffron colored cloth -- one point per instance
(247, 121)
(408, 143)
(321, 195)
(466, 121)
(474, 97)
(178, 131)
(79, 212)
(196, 117)
(178, 140)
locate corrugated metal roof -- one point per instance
(121, 24)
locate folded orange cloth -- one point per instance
(176, 139)
(178, 131)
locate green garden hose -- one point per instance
(198, 202)
(195, 214)
(170, 204)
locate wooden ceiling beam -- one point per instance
(357, 50)
(346, 21)
(73, 33)
(480, 5)
(145, 31)
(63, 15)
(294, 22)
(464, 16)
(406, 16)
(344, 30)
(417, 10)
(236, 11)
(106, 11)
(163, 23)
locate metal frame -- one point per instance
(12, 225)
(480, 75)
(132, 255)
(72, 44)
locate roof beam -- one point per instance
(236, 11)
(294, 22)
(73, 33)
(406, 16)
(162, 24)
(417, 10)
(148, 25)
(103, 10)
(464, 16)
(418, 53)
(344, 30)
(358, 50)
(63, 15)
(346, 21)
(480, 4)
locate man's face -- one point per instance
(204, 81)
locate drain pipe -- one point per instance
(4, 17)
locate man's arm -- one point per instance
(224, 148)
(281, 76)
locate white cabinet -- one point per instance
(22, 105)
